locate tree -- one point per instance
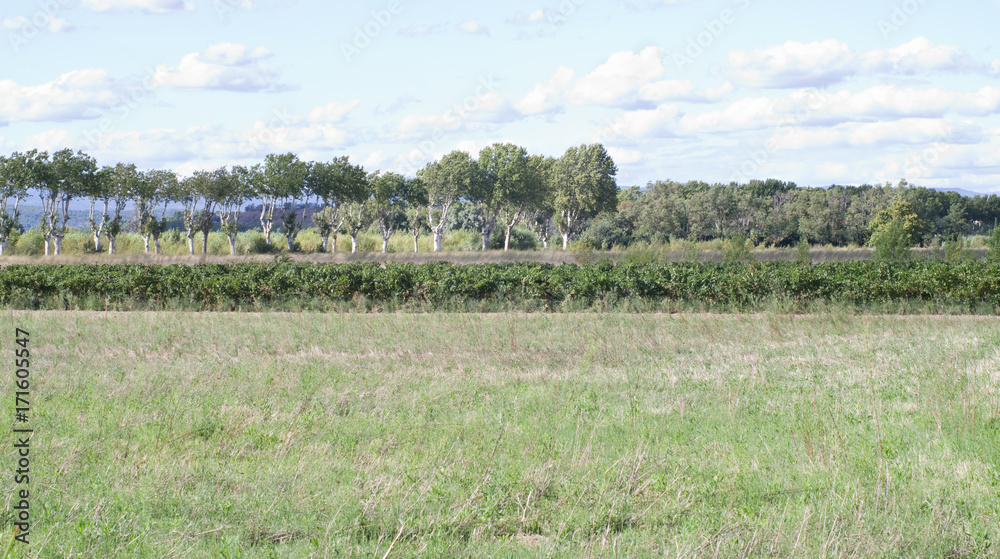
(359, 212)
(331, 182)
(539, 214)
(416, 201)
(446, 180)
(68, 176)
(98, 191)
(14, 181)
(152, 189)
(516, 186)
(584, 187)
(284, 179)
(389, 197)
(901, 211)
(189, 196)
(120, 184)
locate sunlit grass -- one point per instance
(260, 435)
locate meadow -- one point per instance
(175, 434)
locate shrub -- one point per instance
(892, 242)
(737, 249)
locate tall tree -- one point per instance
(389, 197)
(122, 183)
(416, 202)
(517, 185)
(99, 193)
(447, 181)
(331, 182)
(151, 190)
(539, 214)
(283, 183)
(68, 176)
(188, 194)
(14, 182)
(359, 209)
(584, 187)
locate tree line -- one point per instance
(777, 213)
(506, 184)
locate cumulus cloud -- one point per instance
(80, 94)
(473, 27)
(821, 63)
(147, 6)
(488, 109)
(332, 112)
(225, 66)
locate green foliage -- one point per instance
(737, 249)
(993, 245)
(892, 242)
(902, 214)
(802, 252)
(737, 285)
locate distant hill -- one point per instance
(964, 192)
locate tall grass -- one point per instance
(293, 435)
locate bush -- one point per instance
(802, 252)
(737, 249)
(892, 242)
(521, 238)
(993, 245)
(605, 232)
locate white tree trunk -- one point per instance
(565, 237)
(437, 240)
(232, 246)
(145, 243)
(326, 243)
(414, 244)
(3, 245)
(385, 244)
(267, 233)
(57, 241)
(46, 247)
(156, 245)
(506, 239)
(291, 243)
(354, 243)
(111, 244)
(333, 244)
(97, 241)
(191, 245)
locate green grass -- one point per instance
(593, 435)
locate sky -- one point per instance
(818, 93)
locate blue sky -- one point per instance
(715, 90)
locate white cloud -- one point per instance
(46, 22)
(147, 6)
(636, 124)
(622, 73)
(473, 27)
(374, 159)
(488, 109)
(80, 94)
(794, 64)
(548, 95)
(332, 112)
(225, 66)
(623, 156)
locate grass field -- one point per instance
(594, 435)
